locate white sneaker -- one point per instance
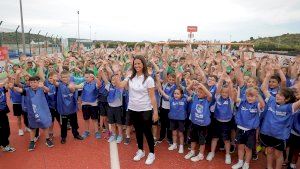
(27, 129)
(246, 166)
(21, 132)
(238, 165)
(210, 156)
(150, 159)
(197, 158)
(227, 159)
(180, 151)
(139, 154)
(172, 147)
(189, 155)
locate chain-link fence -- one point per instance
(36, 42)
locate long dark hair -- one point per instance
(145, 70)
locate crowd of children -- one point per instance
(205, 97)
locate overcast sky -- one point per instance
(155, 20)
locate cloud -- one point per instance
(155, 20)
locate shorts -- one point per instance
(294, 142)
(90, 112)
(269, 141)
(222, 130)
(177, 125)
(247, 138)
(103, 108)
(17, 108)
(54, 115)
(198, 134)
(114, 115)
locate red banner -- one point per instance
(3, 53)
(192, 29)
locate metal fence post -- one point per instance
(17, 40)
(29, 41)
(38, 39)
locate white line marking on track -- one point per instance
(114, 155)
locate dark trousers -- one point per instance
(165, 124)
(142, 122)
(73, 123)
(4, 129)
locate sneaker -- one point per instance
(78, 137)
(246, 166)
(97, 135)
(27, 129)
(197, 158)
(210, 156)
(181, 150)
(254, 156)
(85, 134)
(21, 132)
(150, 159)
(232, 149)
(238, 165)
(111, 138)
(189, 155)
(292, 166)
(31, 146)
(119, 139)
(63, 141)
(172, 147)
(35, 139)
(139, 154)
(227, 159)
(49, 143)
(8, 149)
(127, 141)
(159, 140)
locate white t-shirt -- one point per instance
(139, 99)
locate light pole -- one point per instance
(22, 26)
(46, 43)
(78, 32)
(51, 44)
(1, 39)
(17, 39)
(29, 41)
(38, 36)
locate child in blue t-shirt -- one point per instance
(177, 116)
(276, 125)
(247, 120)
(200, 119)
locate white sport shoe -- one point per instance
(150, 159)
(210, 156)
(181, 150)
(246, 166)
(172, 147)
(27, 129)
(21, 132)
(197, 158)
(227, 159)
(139, 154)
(189, 155)
(238, 165)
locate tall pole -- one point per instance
(38, 39)
(1, 39)
(22, 26)
(29, 41)
(17, 39)
(51, 44)
(46, 43)
(78, 32)
(56, 46)
(90, 32)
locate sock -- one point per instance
(241, 161)
(293, 165)
(246, 164)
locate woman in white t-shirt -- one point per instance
(142, 107)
